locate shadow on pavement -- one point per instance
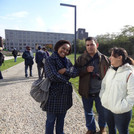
(14, 80)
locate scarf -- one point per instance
(63, 60)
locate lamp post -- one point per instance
(62, 4)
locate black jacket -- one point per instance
(28, 57)
(60, 93)
(1, 58)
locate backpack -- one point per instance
(1, 59)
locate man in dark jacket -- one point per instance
(93, 66)
(40, 55)
(28, 57)
(1, 61)
(15, 53)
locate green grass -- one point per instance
(75, 82)
(9, 63)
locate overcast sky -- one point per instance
(96, 16)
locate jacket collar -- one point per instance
(54, 56)
(87, 55)
(124, 67)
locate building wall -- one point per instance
(19, 39)
(82, 34)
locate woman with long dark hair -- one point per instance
(117, 91)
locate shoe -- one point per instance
(90, 132)
(103, 130)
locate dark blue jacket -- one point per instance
(40, 54)
(60, 94)
(28, 57)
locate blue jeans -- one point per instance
(89, 115)
(119, 121)
(51, 119)
(15, 59)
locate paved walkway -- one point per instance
(9, 57)
(20, 114)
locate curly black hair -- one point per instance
(61, 43)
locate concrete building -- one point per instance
(19, 39)
(82, 34)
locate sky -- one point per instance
(96, 16)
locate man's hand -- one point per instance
(90, 68)
(62, 71)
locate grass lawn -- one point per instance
(75, 82)
(9, 63)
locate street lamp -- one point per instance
(62, 4)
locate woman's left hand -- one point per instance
(62, 71)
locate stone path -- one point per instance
(20, 114)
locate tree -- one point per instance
(128, 31)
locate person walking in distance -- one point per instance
(46, 55)
(15, 54)
(117, 91)
(92, 67)
(1, 61)
(39, 60)
(28, 57)
(45, 50)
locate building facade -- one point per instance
(19, 39)
(82, 34)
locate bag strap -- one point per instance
(128, 76)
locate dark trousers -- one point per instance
(26, 70)
(51, 120)
(15, 58)
(1, 77)
(40, 68)
(119, 121)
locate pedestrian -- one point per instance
(60, 92)
(28, 57)
(117, 91)
(47, 53)
(15, 54)
(93, 66)
(1, 61)
(40, 54)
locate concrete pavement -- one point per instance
(20, 114)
